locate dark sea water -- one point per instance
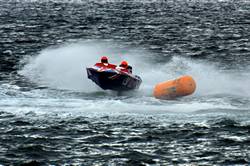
(51, 114)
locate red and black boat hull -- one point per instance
(114, 80)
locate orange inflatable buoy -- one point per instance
(182, 86)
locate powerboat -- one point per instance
(113, 79)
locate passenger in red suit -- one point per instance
(124, 67)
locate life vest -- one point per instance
(105, 65)
(122, 69)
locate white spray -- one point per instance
(65, 68)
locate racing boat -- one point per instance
(113, 79)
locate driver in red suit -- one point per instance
(105, 64)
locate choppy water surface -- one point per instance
(51, 114)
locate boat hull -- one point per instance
(113, 80)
